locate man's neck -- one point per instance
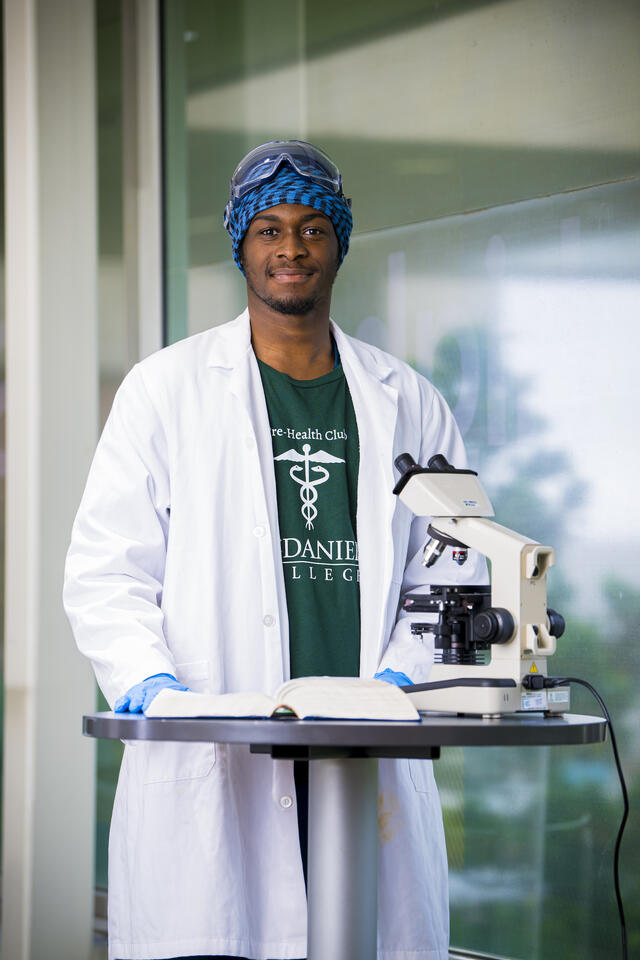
(298, 346)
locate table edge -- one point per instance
(440, 731)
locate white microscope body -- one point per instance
(490, 653)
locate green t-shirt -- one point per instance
(316, 460)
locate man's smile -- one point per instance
(283, 275)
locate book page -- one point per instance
(345, 698)
(185, 703)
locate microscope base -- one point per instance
(485, 697)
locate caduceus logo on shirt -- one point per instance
(301, 472)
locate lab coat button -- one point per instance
(268, 620)
(286, 802)
(259, 531)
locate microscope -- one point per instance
(489, 641)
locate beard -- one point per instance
(291, 306)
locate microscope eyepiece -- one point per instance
(405, 462)
(439, 463)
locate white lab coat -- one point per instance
(174, 567)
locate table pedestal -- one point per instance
(343, 859)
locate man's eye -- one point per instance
(314, 231)
(268, 232)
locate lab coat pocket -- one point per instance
(171, 762)
(421, 773)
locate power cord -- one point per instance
(535, 681)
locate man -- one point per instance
(239, 527)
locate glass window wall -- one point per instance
(492, 153)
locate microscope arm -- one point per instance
(518, 576)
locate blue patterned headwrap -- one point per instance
(289, 187)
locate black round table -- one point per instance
(343, 791)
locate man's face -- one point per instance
(290, 258)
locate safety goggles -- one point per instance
(264, 161)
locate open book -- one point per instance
(335, 698)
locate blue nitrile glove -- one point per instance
(396, 677)
(138, 698)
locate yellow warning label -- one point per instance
(534, 669)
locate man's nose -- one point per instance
(291, 245)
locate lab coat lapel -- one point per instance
(375, 404)
(233, 352)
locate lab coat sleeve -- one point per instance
(115, 564)
(406, 652)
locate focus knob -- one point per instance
(556, 623)
(494, 625)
